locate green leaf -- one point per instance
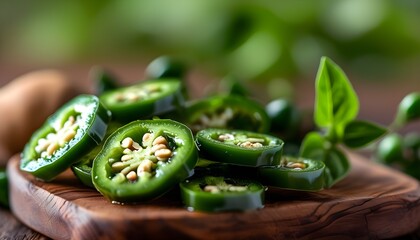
(360, 133)
(316, 147)
(336, 102)
(313, 146)
(337, 164)
(408, 109)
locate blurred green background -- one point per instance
(264, 41)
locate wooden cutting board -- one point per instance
(372, 202)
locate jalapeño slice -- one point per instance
(145, 99)
(75, 129)
(144, 159)
(295, 174)
(216, 193)
(239, 147)
(83, 168)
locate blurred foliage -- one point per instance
(248, 39)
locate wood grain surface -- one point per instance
(372, 202)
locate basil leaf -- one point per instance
(337, 164)
(336, 103)
(315, 146)
(360, 133)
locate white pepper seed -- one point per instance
(52, 148)
(127, 151)
(296, 165)
(131, 96)
(158, 147)
(117, 166)
(237, 188)
(160, 140)
(146, 138)
(69, 135)
(132, 176)
(125, 158)
(249, 144)
(211, 189)
(127, 142)
(163, 154)
(224, 137)
(145, 166)
(136, 146)
(42, 145)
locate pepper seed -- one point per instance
(127, 142)
(132, 176)
(160, 140)
(163, 154)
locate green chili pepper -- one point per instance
(83, 168)
(295, 174)
(75, 129)
(390, 149)
(4, 193)
(408, 109)
(230, 112)
(239, 147)
(145, 99)
(214, 194)
(144, 159)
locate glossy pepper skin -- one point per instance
(235, 150)
(285, 176)
(195, 197)
(4, 194)
(168, 174)
(83, 168)
(228, 112)
(92, 119)
(145, 99)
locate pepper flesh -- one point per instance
(145, 99)
(227, 112)
(117, 188)
(91, 119)
(239, 147)
(83, 168)
(295, 174)
(215, 194)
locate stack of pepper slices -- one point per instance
(135, 143)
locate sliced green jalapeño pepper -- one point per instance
(83, 168)
(72, 131)
(214, 194)
(145, 99)
(229, 112)
(4, 193)
(239, 147)
(294, 174)
(144, 159)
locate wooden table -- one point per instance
(371, 97)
